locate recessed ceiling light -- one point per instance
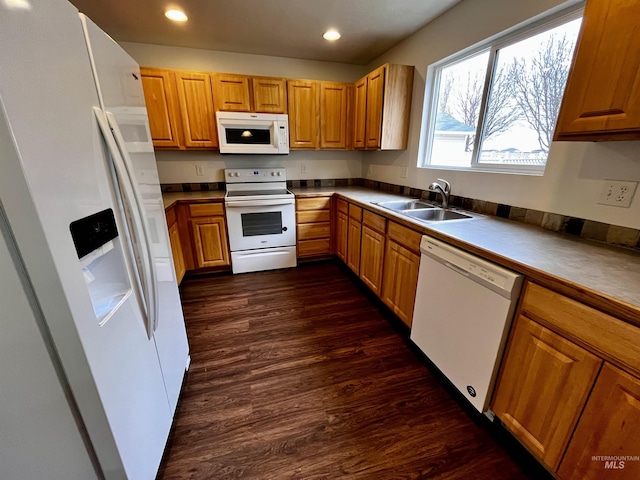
(176, 15)
(331, 35)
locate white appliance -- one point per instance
(261, 219)
(463, 311)
(83, 223)
(253, 133)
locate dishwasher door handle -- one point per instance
(455, 268)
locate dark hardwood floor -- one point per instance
(299, 374)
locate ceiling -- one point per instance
(282, 28)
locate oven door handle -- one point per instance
(259, 203)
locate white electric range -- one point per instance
(261, 219)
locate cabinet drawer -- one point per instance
(606, 335)
(315, 203)
(355, 212)
(171, 217)
(206, 209)
(311, 216)
(308, 248)
(343, 206)
(308, 231)
(404, 236)
(374, 221)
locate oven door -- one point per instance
(263, 223)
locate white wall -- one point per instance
(575, 171)
(180, 167)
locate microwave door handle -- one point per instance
(276, 133)
(258, 203)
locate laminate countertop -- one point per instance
(603, 276)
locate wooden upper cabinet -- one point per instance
(196, 107)
(383, 107)
(304, 113)
(375, 92)
(543, 386)
(609, 426)
(335, 103)
(242, 93)
(602, 97)
(231, 93)
(360, 113)
(269, 95)
(162, 107)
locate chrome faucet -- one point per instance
(445, 192)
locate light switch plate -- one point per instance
(617, 193)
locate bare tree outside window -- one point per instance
(538, 85)
(527, 84)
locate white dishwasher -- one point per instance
(463, 311)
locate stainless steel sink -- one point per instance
(435, 215)
(401, 205)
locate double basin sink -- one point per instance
(423, 212)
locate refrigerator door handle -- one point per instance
(138, 223)
(139, 205)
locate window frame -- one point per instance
(520, 32)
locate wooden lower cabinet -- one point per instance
(342, 227)
(209, 235)
(354, 233)
(372, 250)
(544, 384)
(176, 250)
(400, 279)
(210, 242)
(609, 426)
(313, 218)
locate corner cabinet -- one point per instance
(383, 108)
(602, 97)
(342, 229)
(335, 113)
(176, 245)
(569, 386)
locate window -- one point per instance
(495, 107)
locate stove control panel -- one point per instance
(258, 175)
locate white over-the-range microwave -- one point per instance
(253, 133)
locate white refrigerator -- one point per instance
(93, 347)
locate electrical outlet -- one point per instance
(303, 168)
(617, 193)
(200, 170)
(404, 171)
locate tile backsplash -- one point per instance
(580, 227)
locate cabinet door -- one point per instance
(360, 114)
(160, 95)
(371, 259)
(543, 385)
(375, 93)
(609, 426)
(353, 245)
(231, 93)
(176, 250)
(603, 90)
(210, 242)
(304, 114)
(196, 107)
(342, 227)
(400, 278)
(334, 101)
(269, 95)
